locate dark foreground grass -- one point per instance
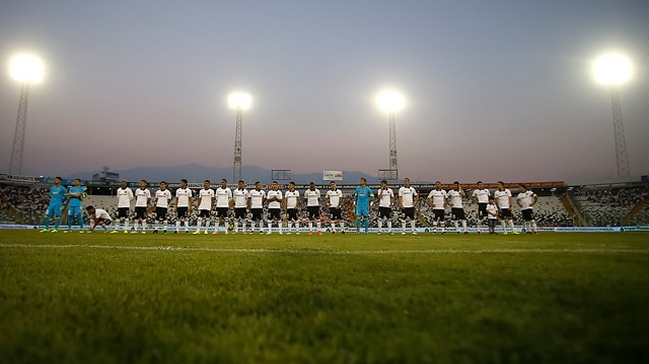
(100, 298)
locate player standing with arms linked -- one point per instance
(292, 207)
(256, 198)
(205, 202)
(455, 196)
(437, 200)
(408, 199)
(312, 198)
(124, 197)
(503, 199)
(55, 208)
(75, 194)
(223, 204)
(363, 200)
(526, 200)
(385, 195)
(481, 196)
(183, 206)
(240, 207)
(333, 200)
(142, 201)
(163, 199)
(274, 200)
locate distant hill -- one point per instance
(199, 173)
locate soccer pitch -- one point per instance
(115, 298)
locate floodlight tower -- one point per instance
(391, 102)
(614, 70)
(25, 69)
(240, 102)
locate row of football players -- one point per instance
(253, 201)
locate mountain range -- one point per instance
(198, 173)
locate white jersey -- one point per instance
(385, 197)
(102, 214)
(526, 198)
(492, 209)
(407, 195)
(206, 196)
(292, 198)
(502, 198)
(240, 198)
(257, 198)
(482, 195)
(183, 195)
(312, 197)
(124, 197)
(223, 197)
(274, 204)
(334, 197)
(438, 198)
(456, 198)
(142, 197)
(162, 198)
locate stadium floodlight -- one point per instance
(613, 70)
(391, 101)
(240, 102)
(26, 69)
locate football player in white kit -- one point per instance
(437, 200)
(408, 199)
(526, 200)
(385, 195)
(503, 199)
(98, 217)
(142, 201)
(240, 206)
(183, 206)
(481, 196)
(292, 207)
(334, 201)
(124, 198)
(205, 203)
(224, 202)
(312, 198)
(274, 201)
(256, 206)
(457, 211)
(163, 199)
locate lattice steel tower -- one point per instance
(236, 169)
(16, 165)
(393, 149)
(620, 141)
(239, 102)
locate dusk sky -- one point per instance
(495, 89)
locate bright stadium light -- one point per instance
(27, 68)
(612, 69)
(390, 101)
(239, 101)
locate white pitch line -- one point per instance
(328, 252)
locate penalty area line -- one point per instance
(325, 252)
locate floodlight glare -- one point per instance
(390, 101)
(612, 69)
(26, 68)
(239, 101)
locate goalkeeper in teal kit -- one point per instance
(54, 209)
(363, 199)
(75, 194)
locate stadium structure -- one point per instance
(621, 203)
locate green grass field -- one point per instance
(102, 298)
